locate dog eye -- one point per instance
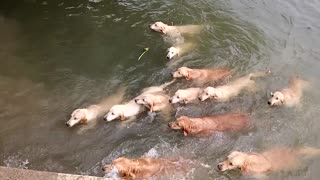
(144, 100)
(178, 97)
(112, 113)
(230, 164)
(207, 94)
(277, 98)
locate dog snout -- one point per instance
(170, 100)
(67, 124)
(168, 57)
(136, 100)
(105, 118)
(199, 98)
(169, 124)
(269, 102)
(219, 166)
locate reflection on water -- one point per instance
(58, 56)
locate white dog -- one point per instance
(185, 29)
(233, 89)
(85, 115)
(289, 96)
(185, 95)
(154, 101)
(131, 108)
(179, 50)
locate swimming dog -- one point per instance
(131, 108)
(185, 95)
(289, 96)
(209, 124)
(226, 92)
(202, 75)
(272, 160)
(85, 115)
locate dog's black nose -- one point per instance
(269, 102)
(170, 100)
(67, 124)
(168, 57)
(219, 166)
(136, 100)
(105, 118)
(199, 98)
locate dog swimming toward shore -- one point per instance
(92, 112)
(272, 160)
(290, 96)
(144, 168)
(131, 108)
(226, 92)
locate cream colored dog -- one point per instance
(260, 164)
(131, 108)
(202, 75)
(290, 96)
(185, 95)
(85, 115)
(179, 50)
(154, 101)
(226, 92)
(166, 29)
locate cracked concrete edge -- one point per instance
(7, 173)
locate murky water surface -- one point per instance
(59, 55)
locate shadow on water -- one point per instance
(58, 56)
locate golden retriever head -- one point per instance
(124, 166)
(209, 92)
(236, 160)
(180, 96)
(159, 26)
(276, 99)
(183, 123)
(115, 112)
(182, 72)
(146, 100)
(77, 116)
(172, 52)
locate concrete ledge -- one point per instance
(23, 174)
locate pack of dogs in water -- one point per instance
(155, 99)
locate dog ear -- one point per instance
(162, 28)
(188, 75)
(84, 120)
(185, 132)
(122, 117)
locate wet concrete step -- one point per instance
(23, 174)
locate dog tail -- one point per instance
(259, 74)
(163, 86)
(309, 152)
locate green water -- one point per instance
(59, 55)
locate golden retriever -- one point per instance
(153, 101)
(185, 95)
(290, 96)
(166, 29)
(260, 164)
(226, 92)
(202, 75)
(143, 168)
(85, 115)
(179, 50)
(131, 108)
(206, 125)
